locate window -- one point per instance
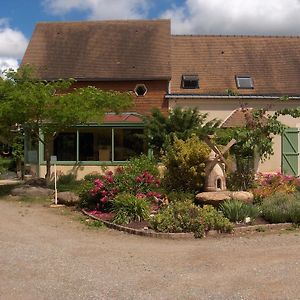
(64, 146)
(128, 143)
(190, 82)
(98, 144)
(244, 82)
(140, 90)
(95, 144)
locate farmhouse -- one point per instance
(217, 74)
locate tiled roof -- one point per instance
(122, 118)
(101, 50)
(239, 118)
(272, 62)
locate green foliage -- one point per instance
(160, 130)
(281, 208)
(214, 220)
(138, 165)
(44, 108)
(180, 196)
(92, 177)
(258, 133)
(179, 217)
(94, 224)
(86, 200)
(243, 178)
(67, 179)
(138, 177)
(187, 217)
(5, 164)
(237, 211)
(68, 183)
(128, 208)
(185, 164)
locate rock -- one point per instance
(31, 191)
(217, 198)
(246, 197)
(37, 182)
(213, 198)
(67, 198)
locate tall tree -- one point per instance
(44, 108)
(160, 130)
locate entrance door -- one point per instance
(290, 152)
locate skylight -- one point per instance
(244, 82)
(190, 82)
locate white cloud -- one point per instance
(236, 17)
(13, 44)
(101, 9)
(8, 63)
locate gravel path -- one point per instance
(47, 254)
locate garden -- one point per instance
(158, 193)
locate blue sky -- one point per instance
(268, 17)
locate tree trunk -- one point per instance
(48, 162)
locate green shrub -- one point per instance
(187, 217)
(281, 208)
(138, 165)
(237, 211)
(66, 179)
(128, 208)
(185, 164)
(214, 220)
(5, 165)
(86, 200)
(180, 196)
(138, 177)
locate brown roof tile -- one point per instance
(123, 118)
(101, 50)
(240, 118)
(272, 62)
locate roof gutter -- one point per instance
(176, 96)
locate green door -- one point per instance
(290, 152)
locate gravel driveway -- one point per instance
(47, 254)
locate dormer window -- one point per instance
(190, 82)
(244, 82)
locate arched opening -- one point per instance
(219, 184)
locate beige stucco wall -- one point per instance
(222, 109)
(79, 171)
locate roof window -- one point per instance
(190, 82)
(140, 90)
(244, 82)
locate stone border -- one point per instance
(211, 233)
(142, 232)
(263, 226)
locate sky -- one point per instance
(253, 17)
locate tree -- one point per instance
(44, 108)
(161, 130)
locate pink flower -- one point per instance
(104, 199)
(141, 196)
(110, 179)
(99, 183)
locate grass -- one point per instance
(90, 223)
